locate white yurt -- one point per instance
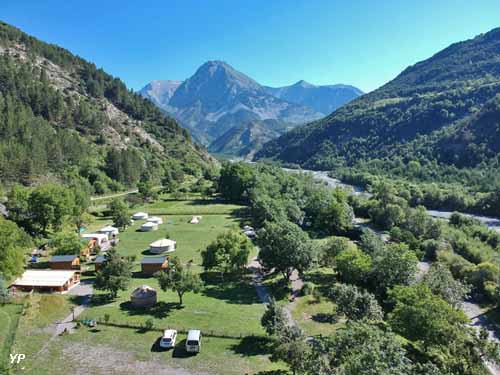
(140, 216)
(149, 226)
(109, 230)
(143, 296)
(162, 246)
(156, 219)
(195, 220)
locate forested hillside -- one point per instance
(441, 112)
(60, 116)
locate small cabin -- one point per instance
(47, 280)
(98, 262)
(151, 265)
(65, 262)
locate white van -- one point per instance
(193, 342)
(168, 339)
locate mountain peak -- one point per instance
(303, 84)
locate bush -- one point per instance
(317, 295)
(307, 289)
(148, 324)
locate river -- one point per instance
(491, 222)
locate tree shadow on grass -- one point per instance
(238, 291)
(279, 288)
(253, 345)
(141, 275)
(160, 310)
(324, 318)
(95, 300)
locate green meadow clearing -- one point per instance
(229, 308)
(9, 317)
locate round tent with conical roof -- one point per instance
(162, 246)
(143, 296)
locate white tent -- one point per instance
(156, 219)
(195, 220)
(99, 237)
(109, 230)
(140, 216)
(149, 226)
(162, 246)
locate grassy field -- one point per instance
(231, 307)
(315, 318)
(35, 328)
(110, 350)
(9, 317)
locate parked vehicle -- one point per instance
(168, 339)
(193, 342)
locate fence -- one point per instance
(144, 326)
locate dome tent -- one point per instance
(155, 219)
(140, 216)
(143, 296)
(162, 246)
(149, 226)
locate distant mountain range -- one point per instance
(444, 109)
(218, 98)
(323, 99)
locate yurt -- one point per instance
(109, 230)
(143, 296)
(155, 219)
(162, 246)
(140, 216)
(195, 220)
(149, 227)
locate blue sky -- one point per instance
(276, 42)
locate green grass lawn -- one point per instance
(315, 318)
(35, 327)
(9, 317)
(231, 307)
(111, 350)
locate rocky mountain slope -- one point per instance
(431, 110)
(245, 139)
(61, 116)
(218, 97)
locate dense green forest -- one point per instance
(397, 319)
(60, 115)
(441, 113)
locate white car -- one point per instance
(167, 341)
